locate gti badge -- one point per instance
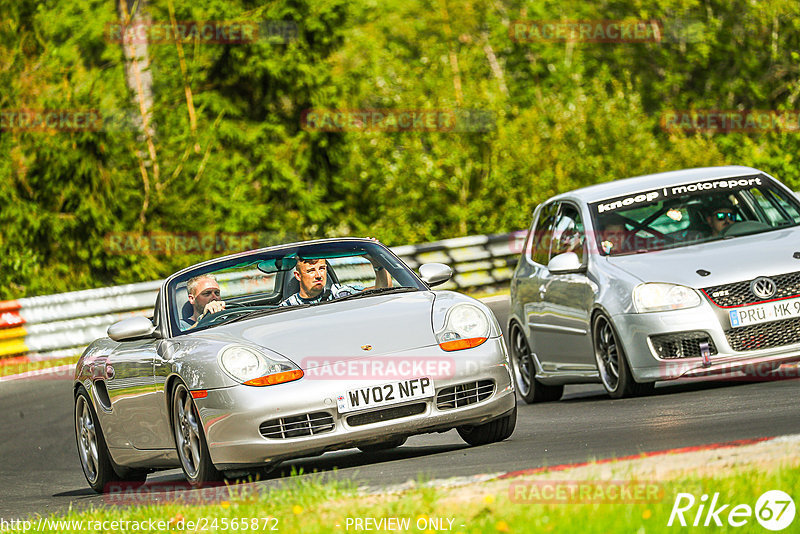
(763, 287)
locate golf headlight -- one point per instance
(466, 326)
(253, 368)
(662, 297)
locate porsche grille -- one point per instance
(464, 394)
(297, 426)
(387, 414)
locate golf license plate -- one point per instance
(385, 394)
(765, 313)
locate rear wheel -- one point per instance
(530, 389)
(190, 440)
(490, 432)
(612, 364)
(93, 451)
(384, 446)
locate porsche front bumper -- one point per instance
(233, 418)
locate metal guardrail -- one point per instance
(61, 325)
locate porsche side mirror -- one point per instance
(434, 274)
(131, 328)
(567, 262)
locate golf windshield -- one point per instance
(691, 213)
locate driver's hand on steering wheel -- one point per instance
(213, 307)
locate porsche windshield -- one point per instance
(263, 283)
(690, 213)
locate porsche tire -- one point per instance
(96, 462)
(190, 440)
(491, 432)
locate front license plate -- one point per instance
(385, 394)
(765, 313)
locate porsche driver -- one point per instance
(311, 275)
(204, 296)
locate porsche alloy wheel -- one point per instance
(190, 440)
(530, 389)
(612, 364)
(95, 459)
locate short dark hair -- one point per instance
(718, 203)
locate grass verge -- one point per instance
(310, 506)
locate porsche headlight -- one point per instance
(253, 368)
(662, 297)
(466, 326)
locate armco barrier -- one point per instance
(61, 325)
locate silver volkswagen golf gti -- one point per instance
(679, 274)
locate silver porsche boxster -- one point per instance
(689, 273)
(287, 352)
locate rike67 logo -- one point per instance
(774, 510)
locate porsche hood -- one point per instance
(335, 331)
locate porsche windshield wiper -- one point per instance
(375, 291)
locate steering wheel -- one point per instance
(744, 227)
(212, 317)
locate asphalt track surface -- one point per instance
(40, 472)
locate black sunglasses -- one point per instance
(722, 215)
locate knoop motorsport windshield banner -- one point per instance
(672, 191)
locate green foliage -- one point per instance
(238, 159)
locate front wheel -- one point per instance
(612, 364)
(490, 432)
(190, 440)
(530, 389)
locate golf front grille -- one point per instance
(682, 345)
(297, 426)
(739, 294)
(386, 414)
(464, 394)
(764, 335)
